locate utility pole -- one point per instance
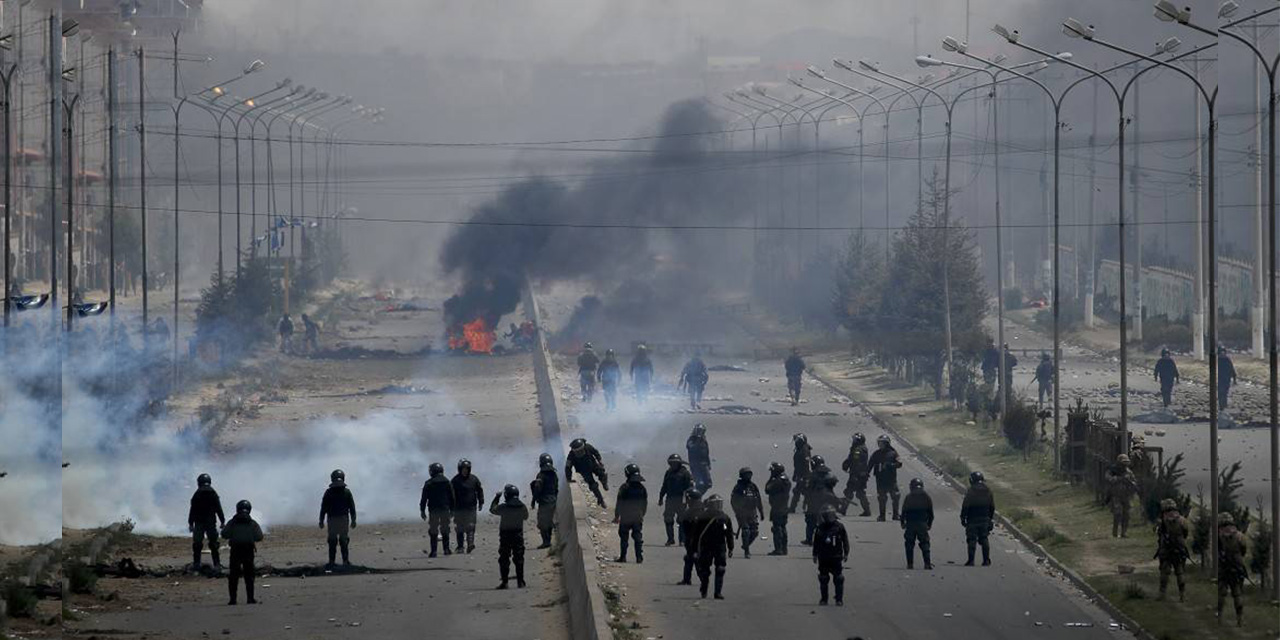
(1091, 270)
(1134, 183)
(111, 187)
(55, 155)
(1258, 317)
(142, 183)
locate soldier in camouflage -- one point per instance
(1231, 569)
(1122, 485)
(1171, 536)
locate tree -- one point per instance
(859, 284)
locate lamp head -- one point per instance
(999, 58)
(70, 28)
(1063, 55)
(953, 45)
(254, 67)
(1010, 35)
(842, 64)
(759, 89)
(1073, 28)
(1169, 45)
(284, 83)
(816, 72)
(1166, 11)
(1228, 9)
(250, 103)
(218, 91)
(868, 65)
(928, 61)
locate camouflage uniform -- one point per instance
(1121, 487)
(1171, 534)
(1231, 568)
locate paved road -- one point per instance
(481, 408)
(771, 597)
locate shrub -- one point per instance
(1070, 316)
(81, 577)
(1018, 514)
(1019, 424)
(19, 600)
(1160, 332)
(955, 467)
(1234, 333)
(1156, 485)
(1260, 557)
(1134, 591)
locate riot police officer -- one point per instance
(713, 544)
(609, 374)
(585, 459)
(884, 465)
(748, 509)
(977, 516)
(469, 496)
(856, 464)
(690, 524)
(340, 507)
(436, 505)
(801, 465)
(917, 520)
(545, 489)
(830, 552)
(699, 457)
(512, 514)
(206, 510)
(629, 510)
(641, 373)
(587, 363)
(676, 482)
(814, 497)
(778, 488)
(242, 534)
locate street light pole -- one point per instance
(69, 108)
(7, 78)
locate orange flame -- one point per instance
(476, 337)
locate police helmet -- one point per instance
(858, 438)
(800, 438)
(545, 461)
(244, 506)
(587, 346)
(976, 478)
(510, 492)
(203, 480)
(744, 473)
(435, 468)
(828, 514)
(1122, 459)
(641, 348)
(1044, 356)
(464, 464)
(917, 483)
(1168, 504)
(577, 443)
(693, 495)
(699, 429)
(714, 502)
(776, 468)
(632, 469)
(1225, 519)
(1164, 353)
(675, 459)
(608, 353)
(338, 476)
(883, 440)
(818, 461)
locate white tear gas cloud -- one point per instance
(31, 487)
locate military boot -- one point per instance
(866, 505)
(217, 562)
(461, 540)
(639, 552)
(986, 553)
(346, 554)
(911, 555)
(333, 554)
(839, 580)
(881, 501)
(622, 557)
(972, 547)
(896, 500)
(719, 595)
(434, 545)
(671, 534)
(924, 553)
(822, 590)
(471, 541)
(546, 538)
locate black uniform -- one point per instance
(587, 363)
(830, 551)
(642, 375)
(748, 509)
(545, 489)
(778, 487)
(675, 483)
(610, 374)
(699, 461)
(1044, 378)
(438, 502)
(469, 498)
(242, 534)
(713, 543)
(203, 519)
(1166, 372)
(990, 363)
(818, 493)
(977, 515)
(694, 377)
(628, 511)
(512, 513)
(311, 334)
(1226, 377)
(857, 464)
(795, 367)
(689, 524)
(284, 327)
(917, 520)
(884, 466)
(339, 506)
(801, 467)
(588, 464)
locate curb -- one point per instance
(588, 614)
(1127, 623)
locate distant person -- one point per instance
(977, 516)
(1171, 550)
(206, 510)
(1231, 568)
(748, 509)
(628, 512)
(990, 362)
(610, 374)
(512, 514)
(1010, 361)
(801, 465)
(699, 451)
(242, 534)
(1166, 372)
(285, 328)
(778, 489)
(469, 499)
(544, 492)
(676, 482)
(587, 363)
(339, 507)
(1226, 376)
(311, 334)
(642, 374)
(830, 552)
(713, 542)
(586, 460)
(794, 367)
(917, 520)
(693, 378)
(1122, 486)
(436, 506)
(1044, 376)
(857, 464)
(884, 465)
